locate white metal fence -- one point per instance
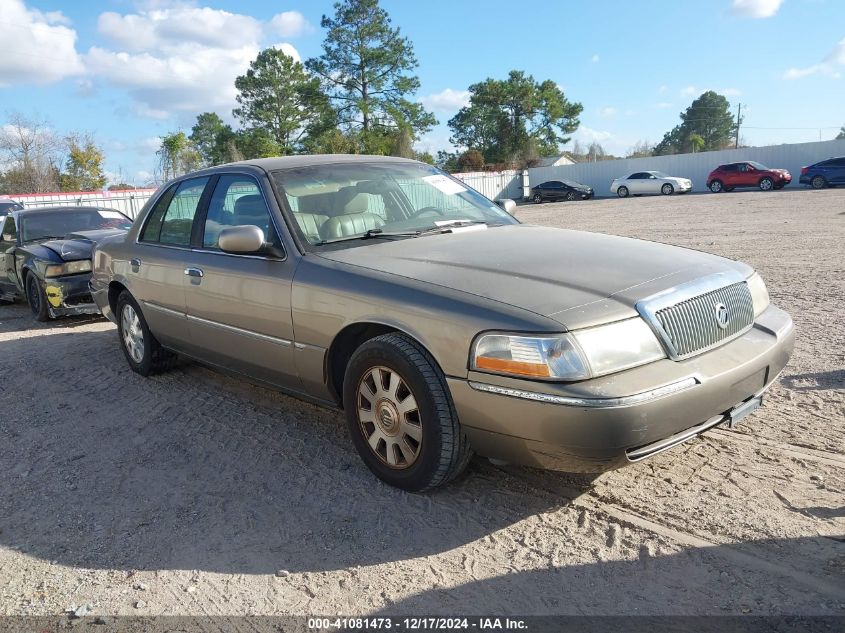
(696, 167)
(127, 202)
(495, 184)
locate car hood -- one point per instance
(576, 278)
(78, 245)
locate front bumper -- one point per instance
(69, 295)
(623, 417)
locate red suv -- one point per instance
(747, 174)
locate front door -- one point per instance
(156, 274)
(238, 305)
(8, 240)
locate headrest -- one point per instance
(250, 205)
(360, 203)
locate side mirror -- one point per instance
(508, 205)
(245, 238)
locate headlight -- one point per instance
(759, 294)
(68, 268)
(578, 355)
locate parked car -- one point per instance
(46, 257)
(646, 182)
(438, 322)
(554, 190)
(826, 173)
(747, 174)
(7, 205)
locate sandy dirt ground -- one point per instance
(196, 493)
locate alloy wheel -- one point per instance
(766, 184)
(818, 182)
(133, 335)
(389, 417)
(715, 186)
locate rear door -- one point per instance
(238, 305)
(8, 241)
(157, 272)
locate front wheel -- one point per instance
(819, 182)
(716, 186)
(667, 189)
(570, 196)
(622, 192)
(36, 298)
(400, 415)
(766, 184)
(537, 198)
(143, 352)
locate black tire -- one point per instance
(622, 192)
(667, 189)
(537, 198)
(570, 196)
(818, 182)
(444, 451)
(36, 298)
(766, 184)
(716, 186)
(153, 357)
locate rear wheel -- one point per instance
(537, 198)
(819, 182)
(400, 415)
(766, 184)
(36, 298)
(716, 186)
(622, 192)
(667, 189)
(143, 352)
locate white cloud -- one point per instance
(755, 8)
(607, 112)
(828, 65)
(149, 144)
(689, 91)
(662, 89)
(37, 47)
(179, 58)
(595, 58)
(434, 142)
(290, 24)
(447, 100)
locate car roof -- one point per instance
(37, 210)
(306, 160)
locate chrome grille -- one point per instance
(691, 326)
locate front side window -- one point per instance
(172, 219)
(349, 199)
(236, 200)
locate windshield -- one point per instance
(349, 200)
(8, 205)
(659, 174)
(575, 184)
(757, 165)
(43, 225)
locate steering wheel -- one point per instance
(424, 210)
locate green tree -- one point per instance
(177, 155)
(84, 166)
(255, 142)
(212, 138)
(471, 160)
(365, 67)
(696, 142)
(515, 119)
(277, 95)
(841, 133)
(708, 117)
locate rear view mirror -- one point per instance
(508, 205)
(245, 238)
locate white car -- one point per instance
(642, 182)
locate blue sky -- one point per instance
(127, 71)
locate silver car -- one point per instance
(439, 323)
(649, 182)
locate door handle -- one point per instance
(135, 264)
(193, 272)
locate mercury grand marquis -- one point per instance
(438, 322)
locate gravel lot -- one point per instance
(196, 493)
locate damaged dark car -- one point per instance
(46, 257)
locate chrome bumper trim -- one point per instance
(604, 403)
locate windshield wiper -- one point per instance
(370, 234)
(448, 225)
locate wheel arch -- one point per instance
(350, 338)
(115, 288)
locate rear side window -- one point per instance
(173, 217)
(237, 200)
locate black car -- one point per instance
(826, 173)
(560, 190)
(46, 256)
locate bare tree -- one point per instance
(30, 154)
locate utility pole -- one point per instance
(738, 119)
